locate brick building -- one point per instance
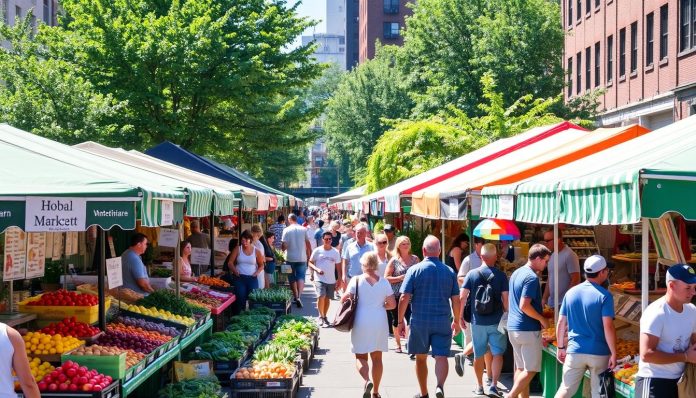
(642, 53)
(381, 20)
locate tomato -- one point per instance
(87, 387)
(73, 387)
(63, 387)
(52, 387)
(71, 372)
(42, 385)
(82, 380)
(97, 387)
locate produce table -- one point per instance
(153, 383)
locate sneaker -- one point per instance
(420, 396)
(478, 390)
(488, 382)
(494, 393)
(327, 324)
(458, 364)
(470, 360)
(412, 357)
(298, 303)
(439, 392)
(368, 389)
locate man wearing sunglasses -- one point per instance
(325, 261)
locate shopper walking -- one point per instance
(353, 252)
(13, 358)
(369, 333)
(667, 336)
(257, 235)
(390, 231)
(381, 243)
(585, 330)
(568, 270)
(244, 263)
(298, 249)
(487, 282)
(525, 319)
(430, 286)
(401, 261)
(470, 262)
(325, 260)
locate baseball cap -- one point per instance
(388, 228)
(682, 272)
(594, 264)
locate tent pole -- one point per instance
(176, 272)
(100, 280)
(212, 244)
(645, 261)
(442, 232)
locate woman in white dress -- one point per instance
(370, 334)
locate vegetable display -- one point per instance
(273, 352)
(71, 327)
(202, 299)
(210, 281)
(224, 346)
(297, 323)
(70, 376)
(160, 273)
(38, 343)
(198, 388)
(266, 370)
(167, 300)
(127, 341)
(66, 299)
(161, 314)
(271, 295)
(292, 339)
(147, 325)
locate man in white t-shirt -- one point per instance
(667, 336)
(297, 251)
(325, 261)
(568, 270)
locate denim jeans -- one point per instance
(243, 285)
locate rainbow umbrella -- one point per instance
(495, 229)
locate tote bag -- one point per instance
(346, 314)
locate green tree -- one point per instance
(450, 44)
(355, 117)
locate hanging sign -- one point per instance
(168, 237)
(36, 257)
(55, 214)
(111, 246)
(48, 251)
(167, 212)
(453, 209)
(15, 254)
(114, 274)
(200, 256)
(57, 246)
(506, 207)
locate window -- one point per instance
(634, 46)
(570, 76)
(341, 40)
(570, 13)
(391, 30)
(687, 25)
(610, 59)
(649, 38)
(391, 6)
(622, 52)
(46, 12)
(663, 31)
(597, 56)
(4, 11)
(18, 12)
(579, 9)
(578, 65)
(588, 68)
(588, 6)
(596, 3)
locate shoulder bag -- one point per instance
(346, 313)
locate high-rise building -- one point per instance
(381, 20)
(42, 10)
(641, 53)
(352, 33)
(331, 46)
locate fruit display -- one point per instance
(38, 370)
(271, 295)
(167, 300)
(266, 370)
(132, 357)
(147, 325)
(38, 343)
(71, 327)
(201, 299)
(626, 348)
(211, 281)
(138, 331)
(65, 298)
(627, 375)
(578, 231)
(72, 377)
(161, 314)
(624, 285)
(127, 341)
(549, 334)
(548, 312)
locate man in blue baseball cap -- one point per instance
(667, 336)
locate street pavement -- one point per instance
(332, 373)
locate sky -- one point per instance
(315, 9)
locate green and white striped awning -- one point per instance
(199, 202)
(151, 207)
(224, 203)
(536, 203)
(490, 199)
(249, 201)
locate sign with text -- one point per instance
(168, 237)
(57, 246)
(200, 256)
(11, 213)
(167, 212)
(46, 214)
(15, 254)
(453, 209)
(222, 244)
(506, 205)
(36, 254)
(114, 275)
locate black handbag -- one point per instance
(607, 388)
(467, 311)
(346, 313)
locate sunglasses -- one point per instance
(382, 242)
(326, 238)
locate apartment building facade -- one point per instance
(381, 20)
(42, 10)
(640, 53)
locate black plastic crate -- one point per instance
(271, 389)
(279, 307)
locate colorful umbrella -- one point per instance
(495, 229)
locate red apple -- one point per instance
(87, 387)
(52, 387)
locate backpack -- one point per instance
(485, 302)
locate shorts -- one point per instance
(270, 267)
(430, 336)
(654, 387)
(325, 289)
(526, 348)
(299, 271)
(485, 337)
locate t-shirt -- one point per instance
(294, 237)
(472, 261)
(336, 239)
(524, 283)
(431, 285)
(674, 330)
(569, 264)
(352, 253)
(326, 261)
(310, 235)
(199, 240)
(345, 241)
(132, 269)
(499, 283)
(584, 306)
(277, 230)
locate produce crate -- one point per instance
(183, 329)
(135, 370)
(306, 356)
(264, 388)
(110, 365)
(280, 308)
(58, 313)
(55, 358)
(112, 391)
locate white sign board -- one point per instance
(114, 274)
(506, 205)
(36, 256)
(15, 254)
(453, 209)
(475, 201)
(167, 212)
(222, 244)
(55, 214)
(200, 256)
(168, 237)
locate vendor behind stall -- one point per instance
(185, 273)
(132, 266)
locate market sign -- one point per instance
(106, 214)
(11, 213)
(55, 214)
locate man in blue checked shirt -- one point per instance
(430, 286)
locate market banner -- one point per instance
(11, 214)
(54, 214)
(107, 214)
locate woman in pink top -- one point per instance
(185, 273)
